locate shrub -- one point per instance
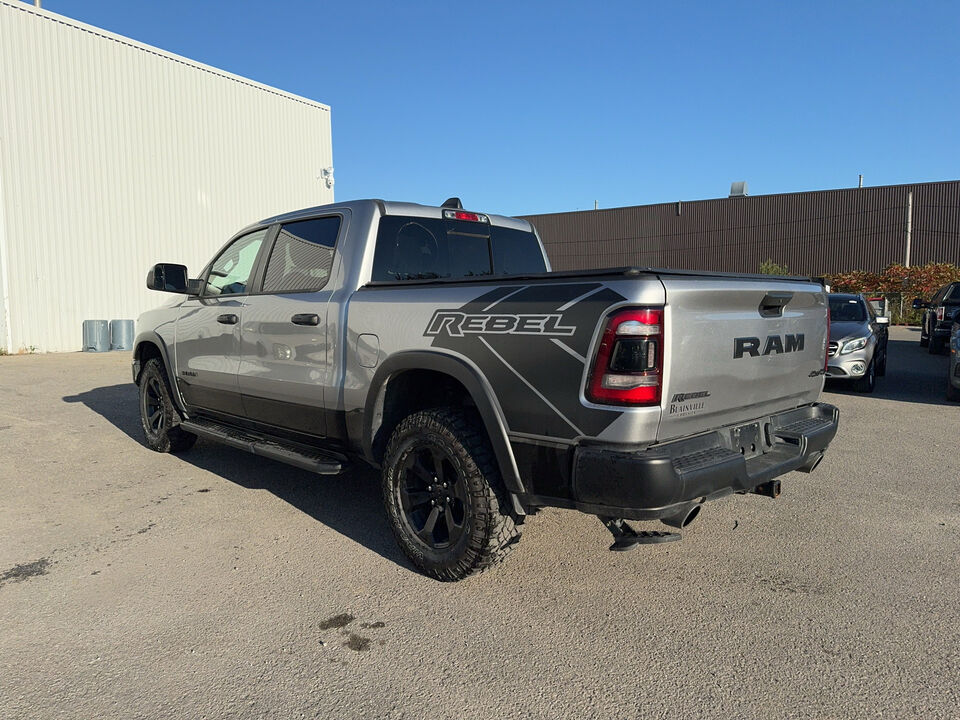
(899, 284)
(769, 267)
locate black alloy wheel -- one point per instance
(152, 406)
(433, 496)
(158, 416)
(445, 499)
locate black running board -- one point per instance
(306, 458)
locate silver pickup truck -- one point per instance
(435, 344)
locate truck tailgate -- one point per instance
(739, 348)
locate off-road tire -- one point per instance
(924, 338)
(868, 383)
(161, 431)
(936, 345)
(488, 529)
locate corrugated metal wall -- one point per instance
(811, 232)
(115, 155)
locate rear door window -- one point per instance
(302, 256)
(415, 248)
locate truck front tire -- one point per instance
(158, 417)
(444, 496)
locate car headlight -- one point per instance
(854, 345)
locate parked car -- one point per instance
(953, 372)
(435, 345)
(937, 315)
(858, 341)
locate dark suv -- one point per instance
(938, 316)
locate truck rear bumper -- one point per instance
(667, 480)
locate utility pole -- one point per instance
(909, 225)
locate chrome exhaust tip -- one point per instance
(810, 465)
(683, 519)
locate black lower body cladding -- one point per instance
(664, 480)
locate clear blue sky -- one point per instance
(544, 107)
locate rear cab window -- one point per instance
(418, 248)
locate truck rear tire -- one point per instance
(936, 345)
(444, 496)
(158, 417)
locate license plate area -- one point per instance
(747, 440)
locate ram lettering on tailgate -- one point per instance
(773, 345)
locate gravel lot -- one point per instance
(218, 584)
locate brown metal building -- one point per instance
(817, 232)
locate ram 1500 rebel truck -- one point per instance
(435, 344)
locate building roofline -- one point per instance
(739, 198)
(123, 40)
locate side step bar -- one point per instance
(306, 458)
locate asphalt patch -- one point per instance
(19, 573)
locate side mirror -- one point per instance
(919, 304)
(882, 320)
(167, 277)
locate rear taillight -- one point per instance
(628, 367)
(941, 313)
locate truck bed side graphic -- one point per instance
(532, 343)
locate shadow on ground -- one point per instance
(913, 375)
(349, 503)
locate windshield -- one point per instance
(847, 309)
(416, 248)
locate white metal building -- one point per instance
(115, 155)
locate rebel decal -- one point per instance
(532, 342)
(684, 397)
(457, 324)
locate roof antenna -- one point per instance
(453, 202)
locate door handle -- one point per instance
(305, 319)
(229, 319)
